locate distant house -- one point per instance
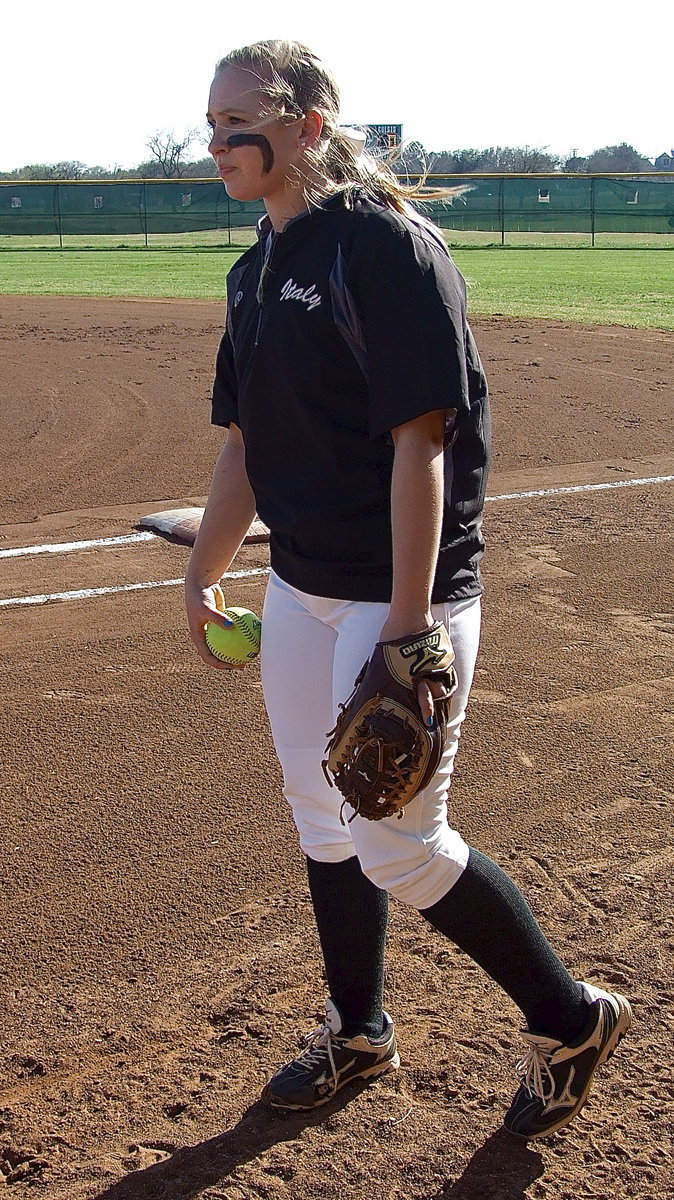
(665, 162)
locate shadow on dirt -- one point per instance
(191, 1169)
(502, 1169)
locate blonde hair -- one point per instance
(294, 80)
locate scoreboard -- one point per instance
(384, 137)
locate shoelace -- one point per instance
(534, 1068)
(317, 1044)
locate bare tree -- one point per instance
(167, 150)
(99, 172)
(530, 159)
(411, 160)
(497, 159)
(202, 168)
(37, 171)
(170, 160)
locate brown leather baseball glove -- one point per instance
(381, 754)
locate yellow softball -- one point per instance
(238, 644)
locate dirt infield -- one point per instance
(157, 952)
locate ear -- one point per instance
(312, 126)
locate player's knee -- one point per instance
(385, 877)
(420, 878)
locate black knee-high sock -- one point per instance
(486, 915)
(351, 915)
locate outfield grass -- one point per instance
(605, 287)
(601, 287)
(203, 239)
(217, 239)
(175, 274)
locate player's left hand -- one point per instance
(384, 750)
(427, 689)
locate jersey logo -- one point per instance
(238, 298)
(294, 291)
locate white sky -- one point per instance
(90, 81)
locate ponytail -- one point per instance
(349, 167)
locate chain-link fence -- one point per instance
(546, 209)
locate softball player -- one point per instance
(358, 420)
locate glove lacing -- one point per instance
(392, 771)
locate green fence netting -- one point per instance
(561, 204)
(501, 205)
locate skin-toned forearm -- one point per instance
(416, 520)
(229, 511)
(417, 492)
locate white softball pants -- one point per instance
(312, 650)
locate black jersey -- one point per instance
(347, 324)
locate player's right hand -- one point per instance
(206, 603)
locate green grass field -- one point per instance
(218, 239)
(607, 287)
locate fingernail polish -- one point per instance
(429, 722)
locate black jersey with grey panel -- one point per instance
(349, 323)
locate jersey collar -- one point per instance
(335, 200)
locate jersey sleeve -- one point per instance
(410, 301)
(224, 403)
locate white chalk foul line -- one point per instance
(63, 547)
(582, 487)
(85, 593)
(146, 536)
